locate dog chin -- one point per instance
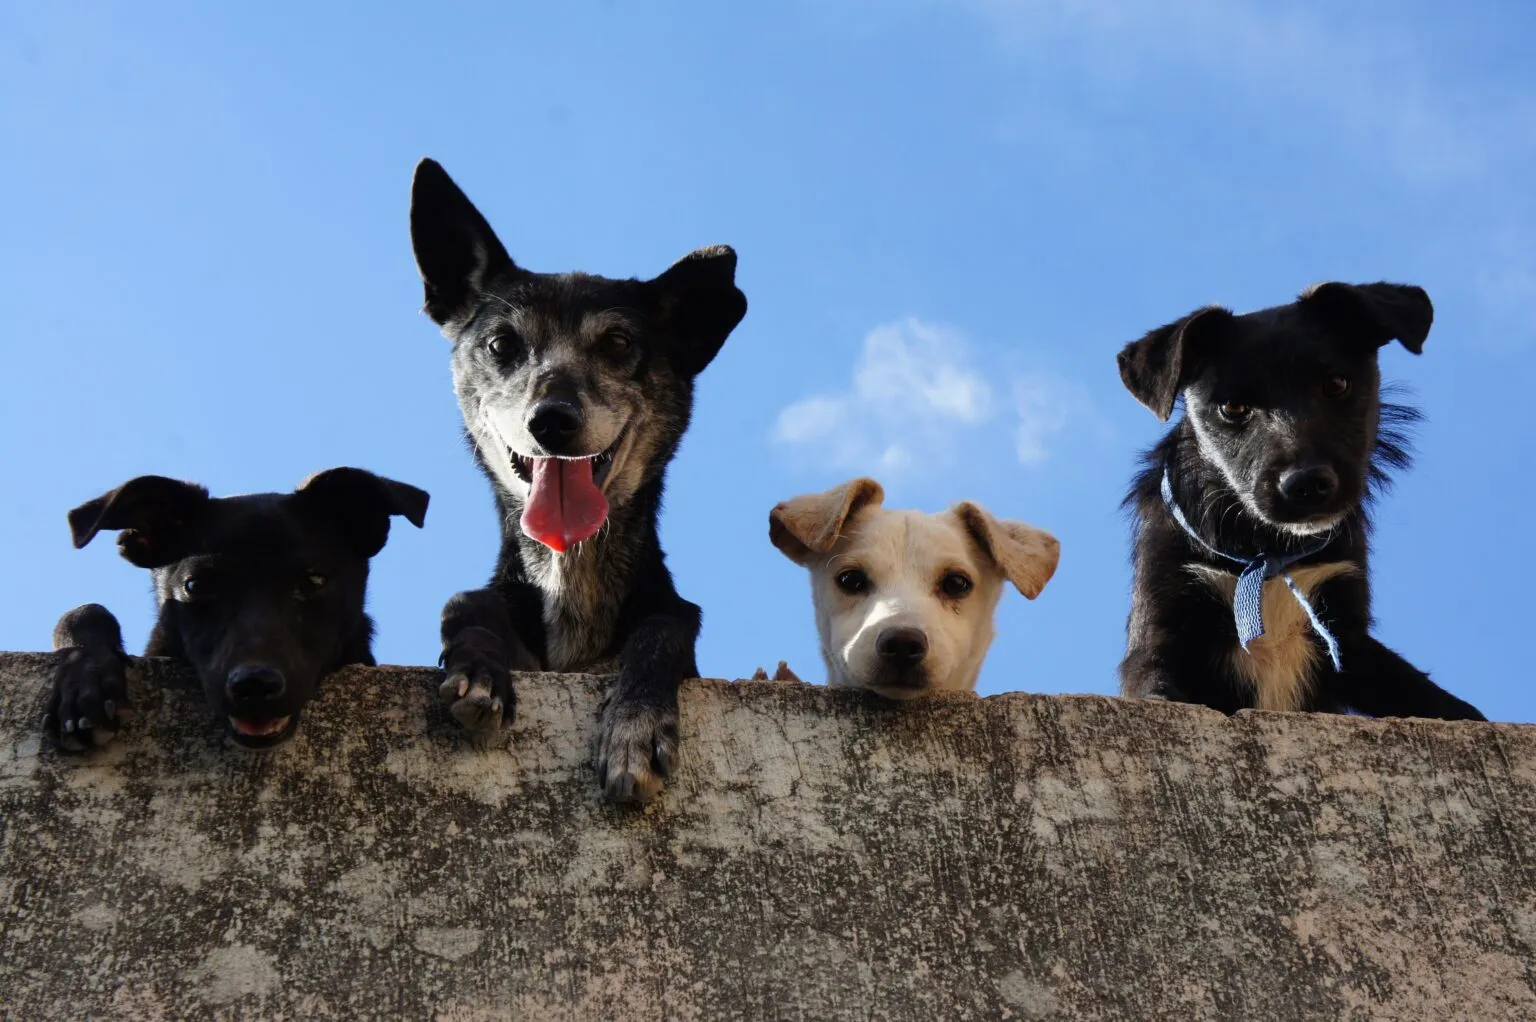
(1308, 528)
(898, 689)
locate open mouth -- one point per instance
(566, 502)
(262, 732)
(602, 463)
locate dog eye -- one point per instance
(1337, 386)
(194, 587)
(853, 581)
(503, 345)
(615, 344)
(1234, 413)
(955, 585)
(312, 584)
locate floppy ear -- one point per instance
(700, 305)
(1155, 368)
(456, 250)
(806, 526)
(1375, 313)
(158, 518)
(1026, 555)
(359, 504)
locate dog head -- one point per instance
(263, 594)
(575, 389)
(1285, 402)
(904, 600)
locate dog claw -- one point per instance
(478, 709)
(110, 709)
(453, 688)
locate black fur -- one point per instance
(619, 358)
(1272, 451)
(262, 595)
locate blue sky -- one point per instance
(949, 217)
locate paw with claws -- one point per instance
(88, 701)
(637, 749)
(478, 682)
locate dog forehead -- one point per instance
(909, 539)
(566, 299)
(264, 527)
(1272, 347)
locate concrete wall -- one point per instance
(819, 857)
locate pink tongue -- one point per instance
(565, 506)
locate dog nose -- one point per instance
(554, 424)
(251, 683)
(904, 646)
(1309, 486)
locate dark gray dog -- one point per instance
(575, 392)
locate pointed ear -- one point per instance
(700, 305)
(1027, 556)
(456, 250)
(1156, 368)
(359, 504)
(158, 518)
(807, 526)
(1375, 313)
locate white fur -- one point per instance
(906, 554)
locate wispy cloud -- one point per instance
(915, 393)
(1368, 72)
(1365, 82)
(1043, 407)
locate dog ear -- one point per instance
(1155, 368)
(359, 504)
(1027, 556)
(1375, 313)
(806, 526)
(158, 518)
(457, 253)
(700, 305)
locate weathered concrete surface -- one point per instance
(819, 857)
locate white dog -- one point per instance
(904, 600)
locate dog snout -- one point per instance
(555, 424)
(254, 683)
(902, 647)
(1309, 486)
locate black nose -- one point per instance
(554, 424)
(905, 646)
(1309, 486)
(250, 684)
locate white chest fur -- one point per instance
(1278, 664)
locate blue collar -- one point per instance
(1248, 599)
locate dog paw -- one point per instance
(477, 686)
(88, 701)
(637, 750)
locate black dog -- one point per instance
(575, 392)
(261, 594)
(1252, 512)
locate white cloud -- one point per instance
(914, 393)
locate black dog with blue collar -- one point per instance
(1252, 512)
